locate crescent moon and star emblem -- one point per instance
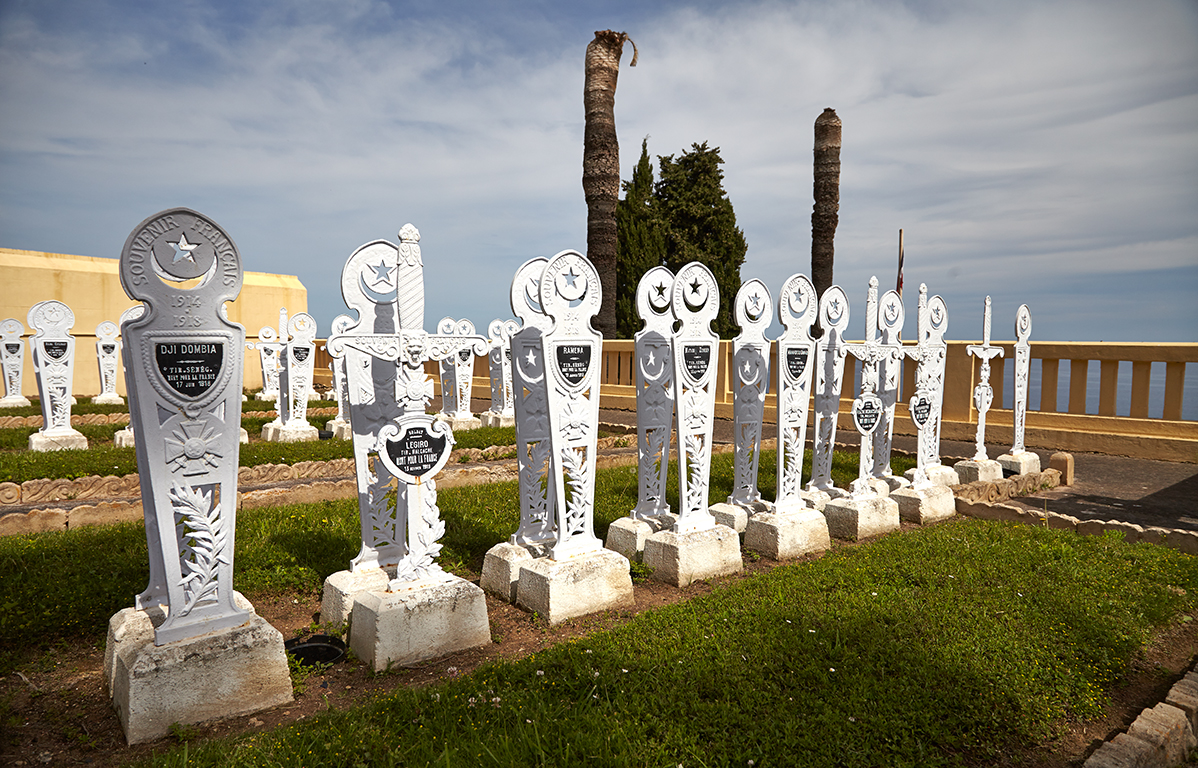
(835, 312)
(799, 301)
(649, 362)
(531, 360)
(695, 295)
(380, 286)
(753, 309)
(891, 313)
(659, 296)
(571, 285)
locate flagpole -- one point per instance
(899, 282)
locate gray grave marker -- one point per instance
(457, 377)
(1019, 460)
(296, 360)
(108, 358)
(829, 372)
(499, 365)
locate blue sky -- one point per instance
(1040, 152)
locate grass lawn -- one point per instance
(943, 646)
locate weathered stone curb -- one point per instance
(1161, 736)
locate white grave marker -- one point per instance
(928, 499)
(12, 353)
(295, 383)
(385, 351)
(108, 358)
(269, 346)
(339, 426)
(211, 655)
(654, 366)
(751, 363)
(696, 547)
(579, 576)
(980, 467)
(868, 511)
(126, 438)
(499, 364)
(797, 307)
(53, 352)
(1019, 460)
(457, 377)
(890, 375)
(501, 565)
(829, 373)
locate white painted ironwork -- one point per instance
(457, 371)
(499, 366)
(797, 308)
(53, 353)
(983, 393)
(753, 309)
(1023, 364)
(829, 372)
(927, 402)
(654, 364)
(108, 359)
(12, 354)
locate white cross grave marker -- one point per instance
(12, 353)
(983, 393)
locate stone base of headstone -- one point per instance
(894, 482)
(558, 590)
(340, 428)
(971, 471)
(426, 621)
(64, 440)
(628, 535)
(856, 519)
(74, 401)
(113, 399)
(937, 475)
(869, 486)
(501, 568)
(244, 437)
(276, 432)
(313, 395)
(123, 438)
(732, 516)
(815, 499)
(244, 397)
(267, 396)
(340, 588)
(14, 401)
(1022, 463)
(787, 536)
(459, 423)
(219, 675)
(925, 505)
(497, 420)
(682, 558)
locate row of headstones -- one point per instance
(402, 605)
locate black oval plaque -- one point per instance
(108, 349)
(301, 353)
(12, 349)
(464, 355)
(55, 349)
(796, 361)
(416, 451)
(191, 368)
(697, 359)
(867, 413)
(921, 409)
(573, 362)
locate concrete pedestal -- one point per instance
(410, 625)
(244, 437)
(340, 429)
(14, 401)
(123, 438)
(61, 440)
(937, 475)
(222, 674)
(497, 420)
(1022, 463)
(925, 505)
(459, 423)
(501, 568)
(313, 396)
(815, 499)
(682, 558)
(267, 396)
(787, 536)
(894, 482)
(628, 535)
(855, 519)
(111, 399)
(971, 471)
(340, 588)
(275, 432)
(562, 589)
(731, 516)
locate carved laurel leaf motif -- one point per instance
(696, 487)
(578, 482)
(201, 544)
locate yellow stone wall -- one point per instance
(91, 287)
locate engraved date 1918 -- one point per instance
(187, 304)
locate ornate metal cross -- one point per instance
(983, 393)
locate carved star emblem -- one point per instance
(835, 306)
(755, 300)
(532, 358)
(382, 273)
(695, 286)
(571, 276)
(661, 289)
(183, 249)
(652, 358)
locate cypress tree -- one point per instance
(641, 243)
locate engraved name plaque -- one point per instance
(416, 451)
(696, 358)
(573, 362)
(796, 361)
(189, 369)
(55, 349)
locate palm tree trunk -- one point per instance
(825, 214)
(601, 166)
